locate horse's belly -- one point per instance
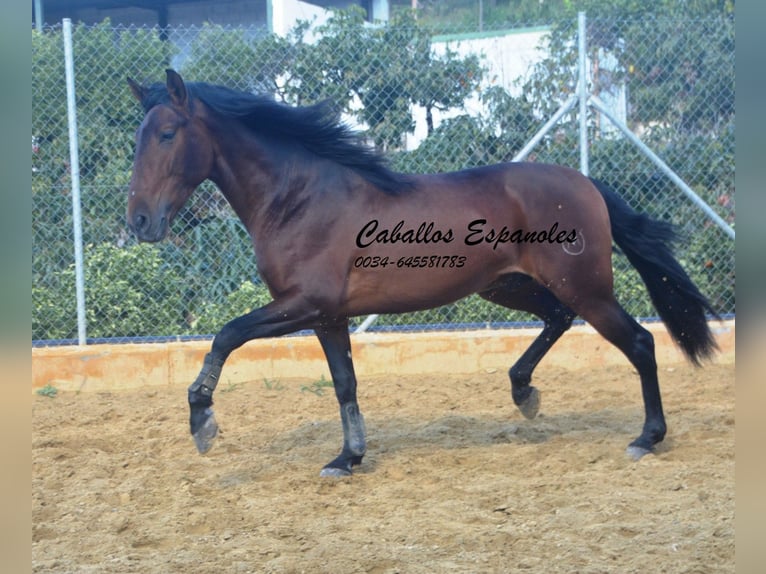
(412, 287)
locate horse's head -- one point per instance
(173, 156)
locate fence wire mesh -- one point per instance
(433, 100)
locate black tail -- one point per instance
(647, 243)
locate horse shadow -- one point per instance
(313, 441)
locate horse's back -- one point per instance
(521, 194)
(543, 207)
(533, 183)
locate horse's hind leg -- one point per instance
(521, 292)
(637, 344)
(336, 344)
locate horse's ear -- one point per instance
(138, 90)
(176, 89)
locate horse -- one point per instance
(337, 233)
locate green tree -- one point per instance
(248, 59)
(376, 73)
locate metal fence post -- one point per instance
(583, 92)
(74, 168)
(39, 16)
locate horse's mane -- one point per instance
(317, 128)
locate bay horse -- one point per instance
(338, 234)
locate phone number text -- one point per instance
(410, 262)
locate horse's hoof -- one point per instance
(637, 452)
(531, 404)
(205, 435)
(333, 472)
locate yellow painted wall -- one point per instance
(129, 366)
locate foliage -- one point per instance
(679, 77)
(47, 391)
(273, 385)
(459, 15)
(107, 118)
(131, 292)
(397, 69)
(680, 84)
(239, 58)
(457, 143)
(317, 387)
(248, 297)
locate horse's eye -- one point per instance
(167, 136)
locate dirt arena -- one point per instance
(455, 479)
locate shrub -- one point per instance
(129, 292)
(247, 297)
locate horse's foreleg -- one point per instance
(523, 293)
(272, 320)
(337, 348)
(201, 419)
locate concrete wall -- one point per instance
(116, 367)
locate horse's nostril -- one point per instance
(139, 222)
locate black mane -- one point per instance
(317, 128)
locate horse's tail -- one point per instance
(647, 243)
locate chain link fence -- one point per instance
(432, 100)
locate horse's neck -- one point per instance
(245, 176)
(274, 188)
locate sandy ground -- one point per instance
(455, 479)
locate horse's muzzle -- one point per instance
(148, 229)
